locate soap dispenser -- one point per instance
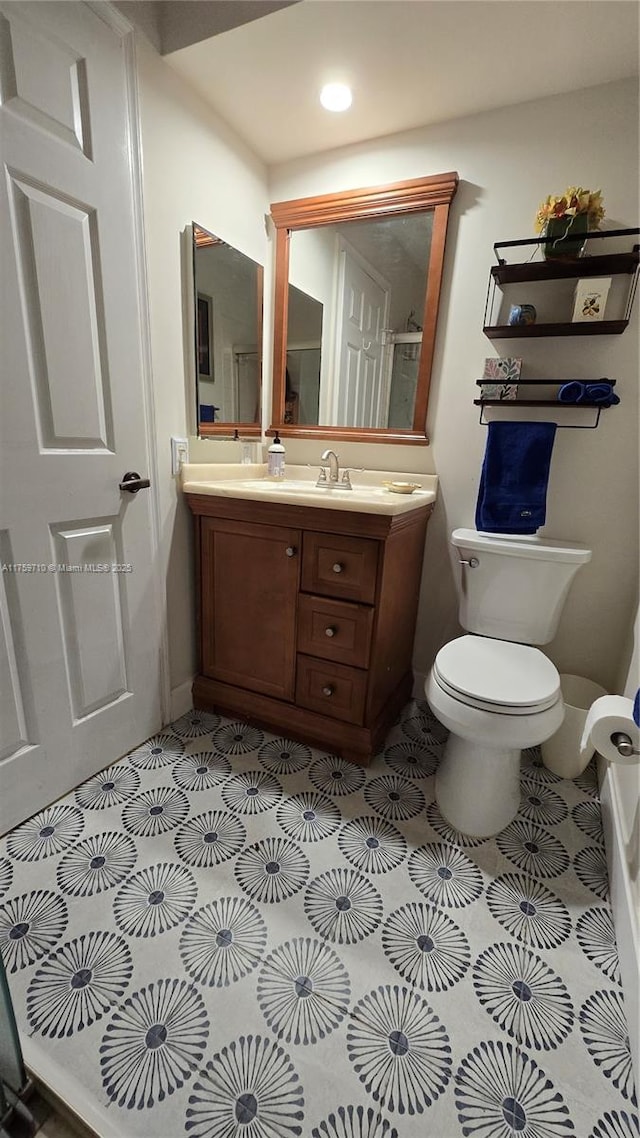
(275, 459)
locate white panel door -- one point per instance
(80, 634)
(361, 309)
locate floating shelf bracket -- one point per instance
(514, 404)
(601, 264)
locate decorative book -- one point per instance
(505, 373)
(590, 299)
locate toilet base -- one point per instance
(478, 786)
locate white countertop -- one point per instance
(369, 494)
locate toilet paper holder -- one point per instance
(624, 744)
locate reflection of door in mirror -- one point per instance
(370, 279)
(371, 262)
(228, 336)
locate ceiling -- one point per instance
(172, 24)
(410, 63)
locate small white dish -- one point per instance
(402, 487)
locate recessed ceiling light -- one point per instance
(336, 97)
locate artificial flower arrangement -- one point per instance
(575, 200)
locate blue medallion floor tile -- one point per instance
(303, 991)
(196, 725)
(399, 1049)
(500, 1090)
(353, 1120)
(228, 932)
(250, 1083)
(617, 1124)
(524, 996)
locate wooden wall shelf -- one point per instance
(521, 331)
(515, 404)
(602, 264)
(609, 264)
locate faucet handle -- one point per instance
(346, 479)
(322, 476)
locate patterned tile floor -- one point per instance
(229, 935)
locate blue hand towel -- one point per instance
(601, 393)
(512, 497)
(636, 709)
(571, 392)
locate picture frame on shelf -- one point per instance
(505, 374)
(590, 299)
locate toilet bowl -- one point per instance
(496, 698)
(494, 691)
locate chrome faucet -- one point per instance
(334, 467)
(331, 457)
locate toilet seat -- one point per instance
(497, 675)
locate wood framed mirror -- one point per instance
(357, 290)
(227, 330)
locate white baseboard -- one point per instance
(181, 699)
(622, 904)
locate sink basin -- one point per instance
(300, 486)
(369, 493)
(268, 485)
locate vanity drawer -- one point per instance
(334, 630)
(331, 689)
(340, 566)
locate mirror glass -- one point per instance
(357, 289)
(354, 323)
(228, 335)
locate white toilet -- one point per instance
(494, 692)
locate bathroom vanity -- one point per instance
(307, 603)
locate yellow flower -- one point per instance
(573, 201)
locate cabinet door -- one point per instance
(249, 589)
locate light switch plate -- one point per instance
(179, 453)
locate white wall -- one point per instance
(195, 169)
(508, 161)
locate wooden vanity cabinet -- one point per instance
(306, 617)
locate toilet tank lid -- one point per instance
(518, 545)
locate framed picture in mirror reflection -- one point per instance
(204, 327)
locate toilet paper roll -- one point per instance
(608, 716)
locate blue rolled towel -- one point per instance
(601, 393)
(636, 709)
(208, 413)
(571, 392)
(512, 497)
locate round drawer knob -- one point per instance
(328, 689)
(290, 551)
(329, 631)
(338, 567)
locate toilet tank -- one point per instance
(519, 585)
